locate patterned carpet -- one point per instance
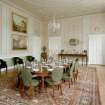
(84, 92)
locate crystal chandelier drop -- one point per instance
(53, 25)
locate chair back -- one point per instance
(3, 64)
(72, 68)
(76, 64)
(19, 69)
(68, 69)
(50, 59)
(26, 77)
(17, 60)
(57, 74)
(30, 58)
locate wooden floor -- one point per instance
(100, 73)
(11, 73)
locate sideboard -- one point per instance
(79, 55)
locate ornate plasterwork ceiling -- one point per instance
(45, 9)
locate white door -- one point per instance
(96, 46)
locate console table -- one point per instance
(83, 56)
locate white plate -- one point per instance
(28, 67)
(50, 69)
(35, 69)
(60, 66)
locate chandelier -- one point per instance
(54, 25)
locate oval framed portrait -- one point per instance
(73, 42)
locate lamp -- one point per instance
(54, 25)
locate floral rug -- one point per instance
(85, 91)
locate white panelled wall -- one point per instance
(39, 34)
(0, 31)
(80, 28)
(36, 49)
(6, 32)
(54, 46)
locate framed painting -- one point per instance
(19, 42)
(19, 23)
(73, 42)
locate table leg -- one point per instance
(82, 60)
(86, 60)
(43, 84)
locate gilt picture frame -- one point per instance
(19, 42)
(73, 42)
(19, 23)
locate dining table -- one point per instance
(45, 73)
(42, 74)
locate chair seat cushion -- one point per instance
(34, 83)
(51, 82)
(66, 76)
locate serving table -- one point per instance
(77, 55)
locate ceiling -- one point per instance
(46, 9)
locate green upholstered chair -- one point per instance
(17, 61)
(3, 64)
(19, 65)
(56, 79)
(30, 58)
(68, 76)
(76, 68)
(18, 72)
(27, 81)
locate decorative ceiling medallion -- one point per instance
(73, 42)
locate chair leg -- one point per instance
(18, 82)
(60, 88)
(53, 91)
(0, 71)
(46, 88)
(69, 83)
(30, 91)
(35, 90)
(74, 77)
(21, 89)
(77, 74)
(6, 71)
(39, 88)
